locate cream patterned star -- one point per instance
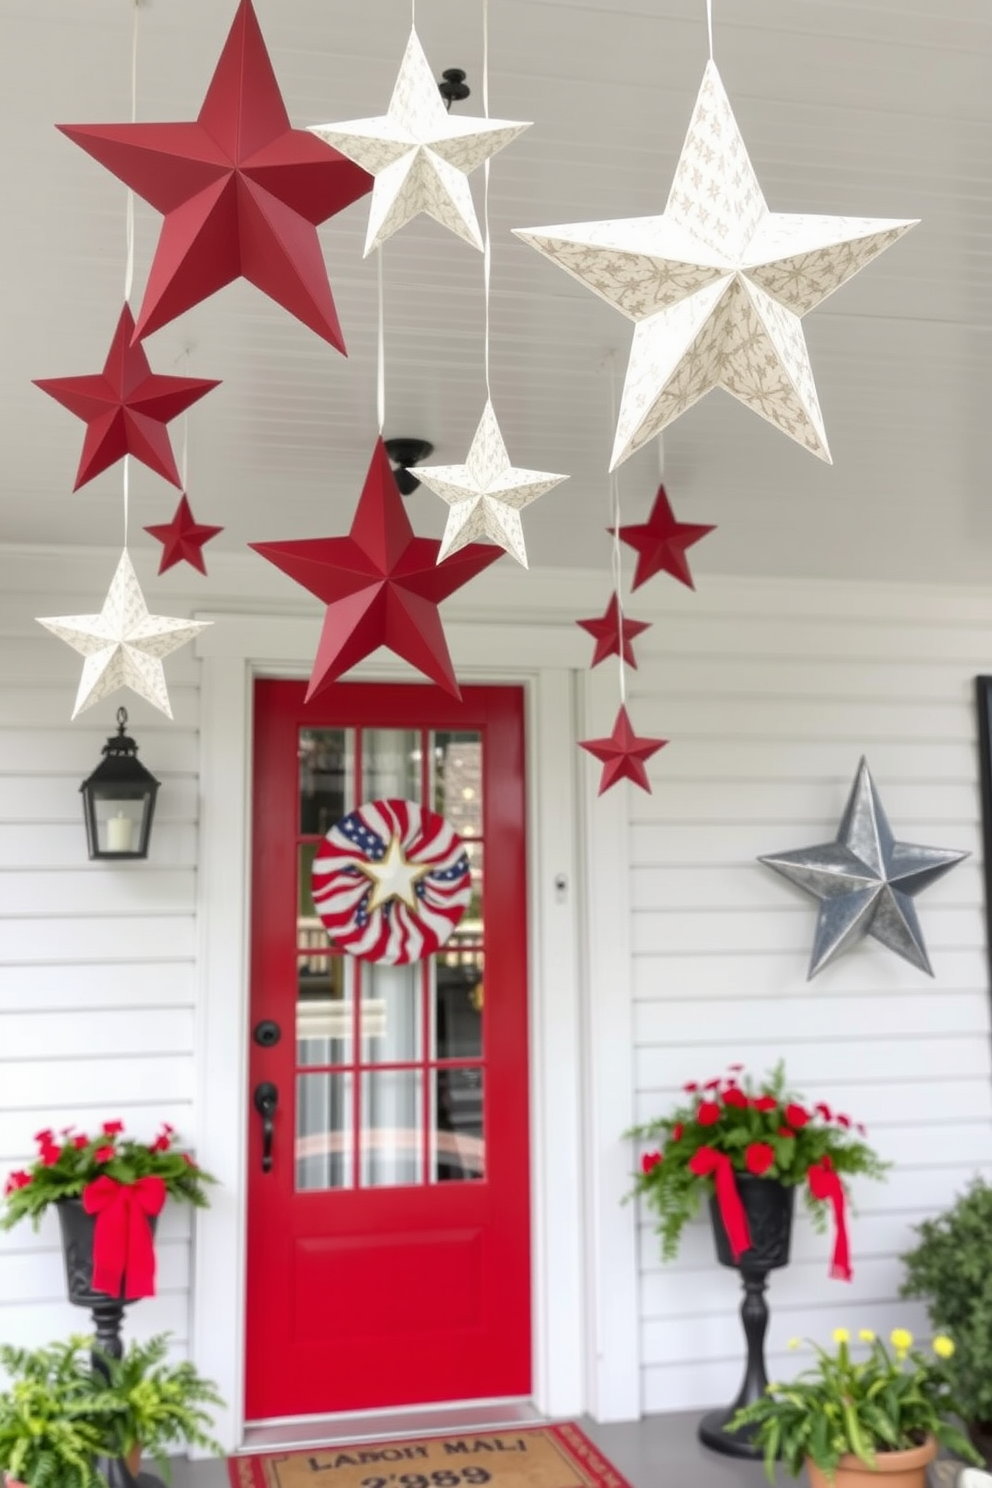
(124, 644)
(717, 285)
(486, 494)
(393, 877)
(421, 156)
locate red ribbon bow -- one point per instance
(707, 1161)
(123, 1249)
(825, 1184)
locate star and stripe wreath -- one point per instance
(391, 881)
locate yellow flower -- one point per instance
(795, 1343)
(901, 1339)
(841, 1335)
(866, 1335)
(943, 1346)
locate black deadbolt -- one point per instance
(267, 1033)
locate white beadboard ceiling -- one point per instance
(864, 107)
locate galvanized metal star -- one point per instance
(865, 881)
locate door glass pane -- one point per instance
(310, 932)
(391, 764)
(391, 1143)
(323, 1010)
(458, 1146)
(458, 1002)
(323, 1131)
(324, 772)
(391, 1019)
(458, 781)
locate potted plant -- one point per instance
(108, 1190)
(851, 1421)
(950, 1269)
(56, 1421)
(747, 1147)
(161, 1407)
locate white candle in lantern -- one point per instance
(119, 829)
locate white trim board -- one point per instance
(570, 1278)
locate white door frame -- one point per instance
(583, 1244)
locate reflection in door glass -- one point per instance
(323, 1131)
(391, 764)
(391, 1020)
(458, 1139)
(459, 997)
(391, 1143)
(324, 771)
(323, 1010)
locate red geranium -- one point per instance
(677, 1131)
(734, 1097)
(765, 1103)
(112, 1128)
(786, 1131)
(17, 1180)
(796, 1116)
(708, 1113)
(649, 1161)
(759, 1158)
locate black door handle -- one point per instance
(266, 1100)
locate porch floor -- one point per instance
(656, 1452)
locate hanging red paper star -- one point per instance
(126, 407)
(182, 539)
(606, 631)
(381, 584)
(622, 755)
(661, 542)
(242, 192)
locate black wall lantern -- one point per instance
(119, 800)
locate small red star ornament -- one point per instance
(381, 584)
(242, 192)
(182, 539)
(126, 407)
(623, 754)
(613, 633)
(661, 541)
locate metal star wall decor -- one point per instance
(421, 156)
(123, 645)
(487, 494)
(717, 285)
(623, 753)
(865, 881)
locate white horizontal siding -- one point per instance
(769, 700)
(97, 960)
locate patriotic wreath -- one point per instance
(391, 881)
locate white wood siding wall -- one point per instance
(97, 960)
(770, 696)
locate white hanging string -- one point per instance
(615, 506)
(129, 219)
(487, 256)
(380, 373)
(661, 458)
(709, 25)
(413, 15)
(185, 454)
(127, 462)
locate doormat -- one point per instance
(527, 1457)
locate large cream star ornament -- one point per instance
(393, 877)
(421, 156)
(487, 494)
(124, 644)
(717, 285)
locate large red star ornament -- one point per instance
(661, 541)
(242, 192)
(182, 539)
(613, 632)
(126, 407)
(623, 754)
(381, 584)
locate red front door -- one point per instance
(388, 1223)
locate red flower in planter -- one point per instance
(80, 1142)
(677, 1131)
(711, 1084)
(765, 1103)
(796, 1116)
(734, 1097)
(759, 1158)
(17, 1180)
(691, 1086)
(650, 1161)
(45, 1138)
(786, 1131)
(160, 1144)
(104, 1154)
(112, 1128)
(708, 1113)
(824, 1111)
(50, 1154)
(844, 1121)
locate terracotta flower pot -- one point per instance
(897, 1469)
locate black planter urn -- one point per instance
(78, 1229)
(769, 1206)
